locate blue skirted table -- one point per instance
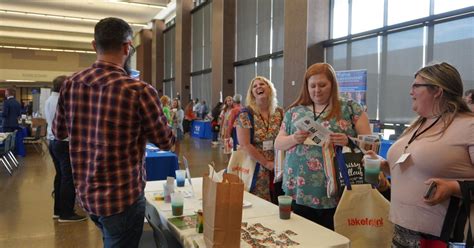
(159, 164)
(201, 129)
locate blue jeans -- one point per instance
(123, 229)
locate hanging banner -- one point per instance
(353, 85)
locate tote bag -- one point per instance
(362, 214)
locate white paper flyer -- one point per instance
(318, 133)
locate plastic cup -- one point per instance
(372, 170)
(167, 190)
(177, 203)
(284, 202)
(180, 177)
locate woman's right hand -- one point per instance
(300, 136)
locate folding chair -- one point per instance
(12, 148)
(163, 237)
(3, 154)
(35, 140)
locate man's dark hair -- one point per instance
(58, 83)
(110, 34)
(11, 91)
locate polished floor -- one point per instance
(26, 204)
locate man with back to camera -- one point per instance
(11, 111)
(109, 117)
(64, 193)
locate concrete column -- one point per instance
(306, 27)
(144, 55)
(223, 49)
(183, 49)
(157, 54)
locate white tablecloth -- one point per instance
(309, 233)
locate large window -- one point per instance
(169, 61)
(404, 36)
(260, 41)
(201, 52)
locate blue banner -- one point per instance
(353, 85)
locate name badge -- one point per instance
(402, 158)
(268, 145)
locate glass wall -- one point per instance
(403, 36)
(259, 43)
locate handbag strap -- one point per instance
(341, 163)
(252, 122)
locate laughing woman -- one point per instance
(262, 107)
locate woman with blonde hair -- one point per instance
(257, 137)
(304, 176)
(437, 147)
(177, 116)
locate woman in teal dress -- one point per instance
(304, 176)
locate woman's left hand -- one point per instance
(339, 139)
(444, 190)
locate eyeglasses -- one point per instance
(416, 86)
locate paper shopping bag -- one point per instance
(243, 166)
(222, 211)
(362, 216)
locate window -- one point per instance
(340, 18)
(366, 15)
(441, 6)
(407, 10)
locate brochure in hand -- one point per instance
(319, 134)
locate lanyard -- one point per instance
(314, 111)
(416, 134)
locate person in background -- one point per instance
(64, 192)
(303, 174)
(437, 147)
(197, 107)
(109, 117)
(231, 131)
(267, 117)
(11, 111)
(215, 113)
(203, 109)
(469, 98)
(224, 116)
(165, 104)
(177, 115)
(189, 117)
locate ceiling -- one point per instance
(69, 24)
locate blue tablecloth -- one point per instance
(20, 147)
(201, 129)
(160, 164)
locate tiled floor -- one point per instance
(26, 204)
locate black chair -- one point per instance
(11, 155)
(35, 140)
(4, 154)
(163, 237)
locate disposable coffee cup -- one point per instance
(372, 170)
(284, 203)
(177, 203)
(180, 177)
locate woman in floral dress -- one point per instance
(262, 105)
(304, 176)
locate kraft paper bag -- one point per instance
(244, 167)
(222, 210)
(362, 216)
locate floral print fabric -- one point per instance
(262, 131)
(303, 174)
